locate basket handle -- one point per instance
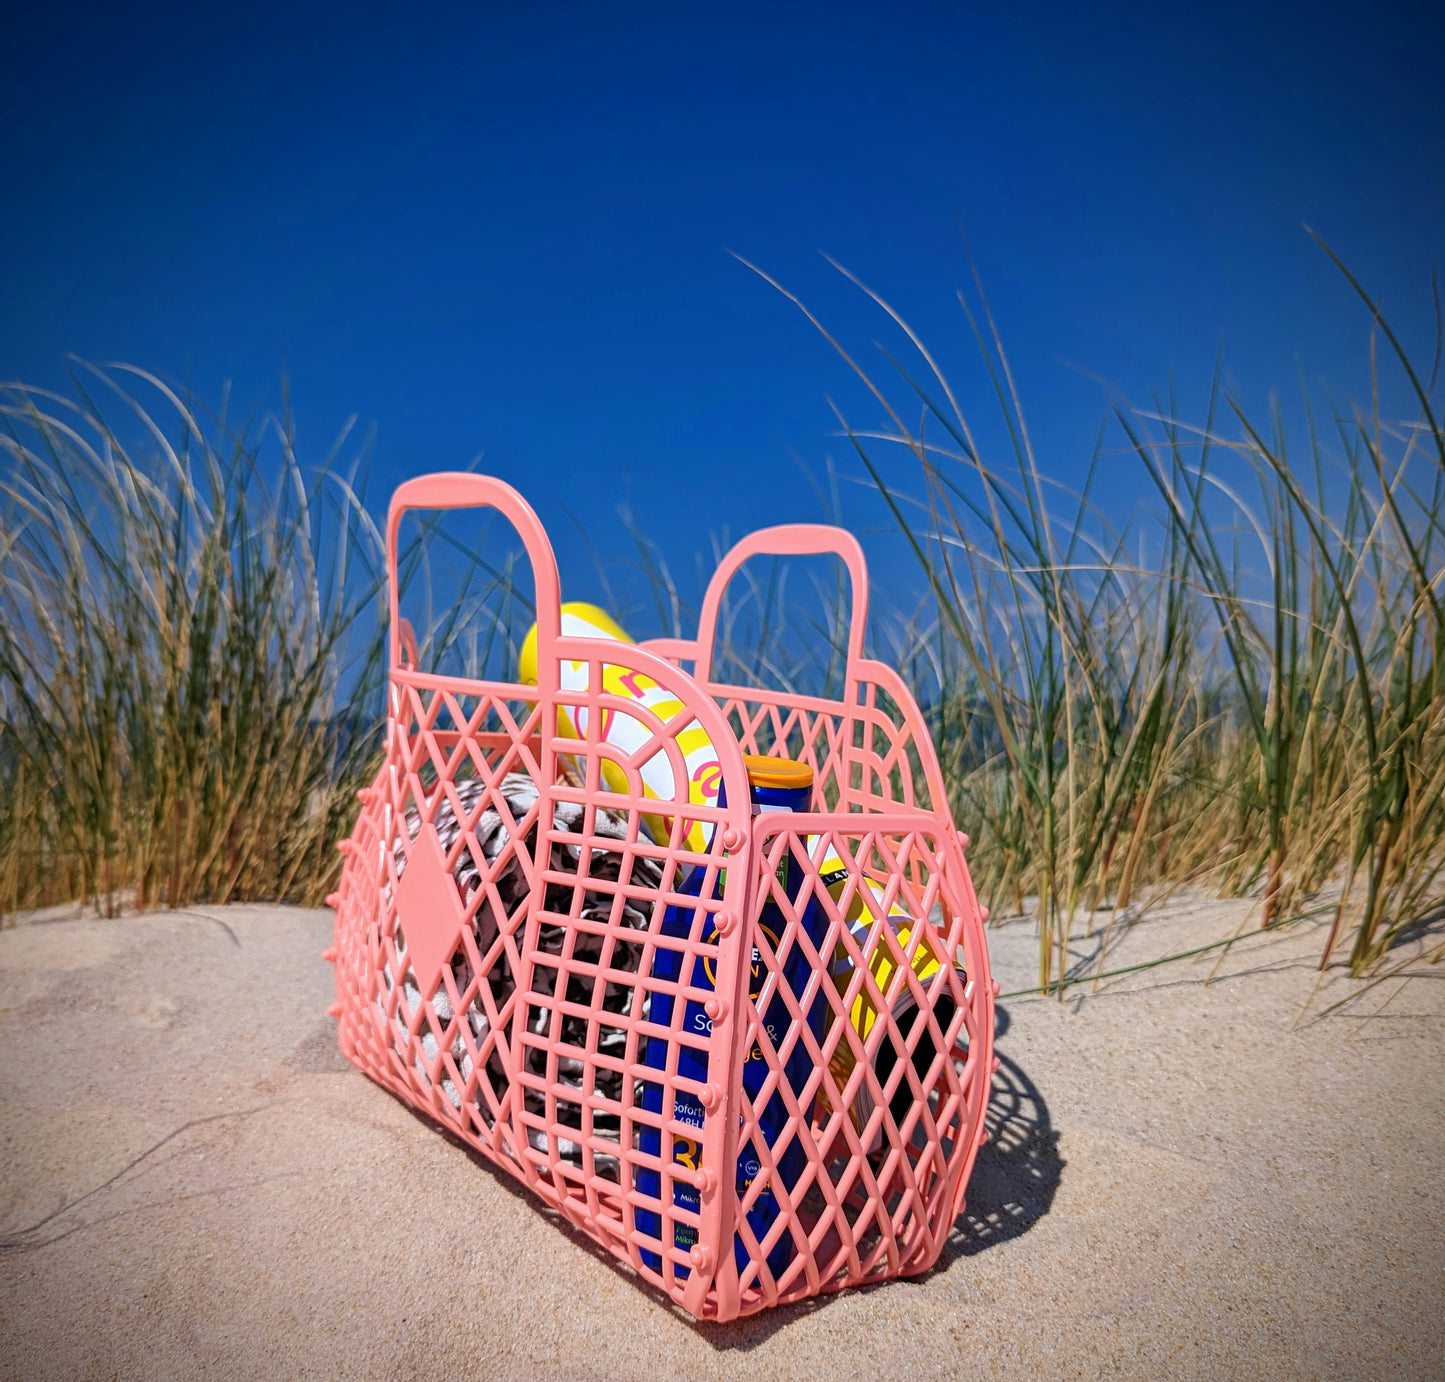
(465, 490)
(787, 540)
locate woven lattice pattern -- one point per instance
(754, 1069)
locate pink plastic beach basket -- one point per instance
(502, 944)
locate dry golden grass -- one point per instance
(1262, 707)
(191, 650)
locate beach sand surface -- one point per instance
(1186, 1180)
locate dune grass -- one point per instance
(191, 650)
(1238, 683)
(171, 631)
(1259, 708)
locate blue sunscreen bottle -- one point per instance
(774, 784)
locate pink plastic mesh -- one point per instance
(500, 949)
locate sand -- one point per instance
(195, 1183)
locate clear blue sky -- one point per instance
(505, 230)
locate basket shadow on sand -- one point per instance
(1012, 1187)
(1017, 1172)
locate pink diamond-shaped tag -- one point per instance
(428, 909)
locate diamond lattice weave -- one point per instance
(748, 1056)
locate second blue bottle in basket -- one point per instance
(775, 784)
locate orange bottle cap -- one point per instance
(764, 771)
